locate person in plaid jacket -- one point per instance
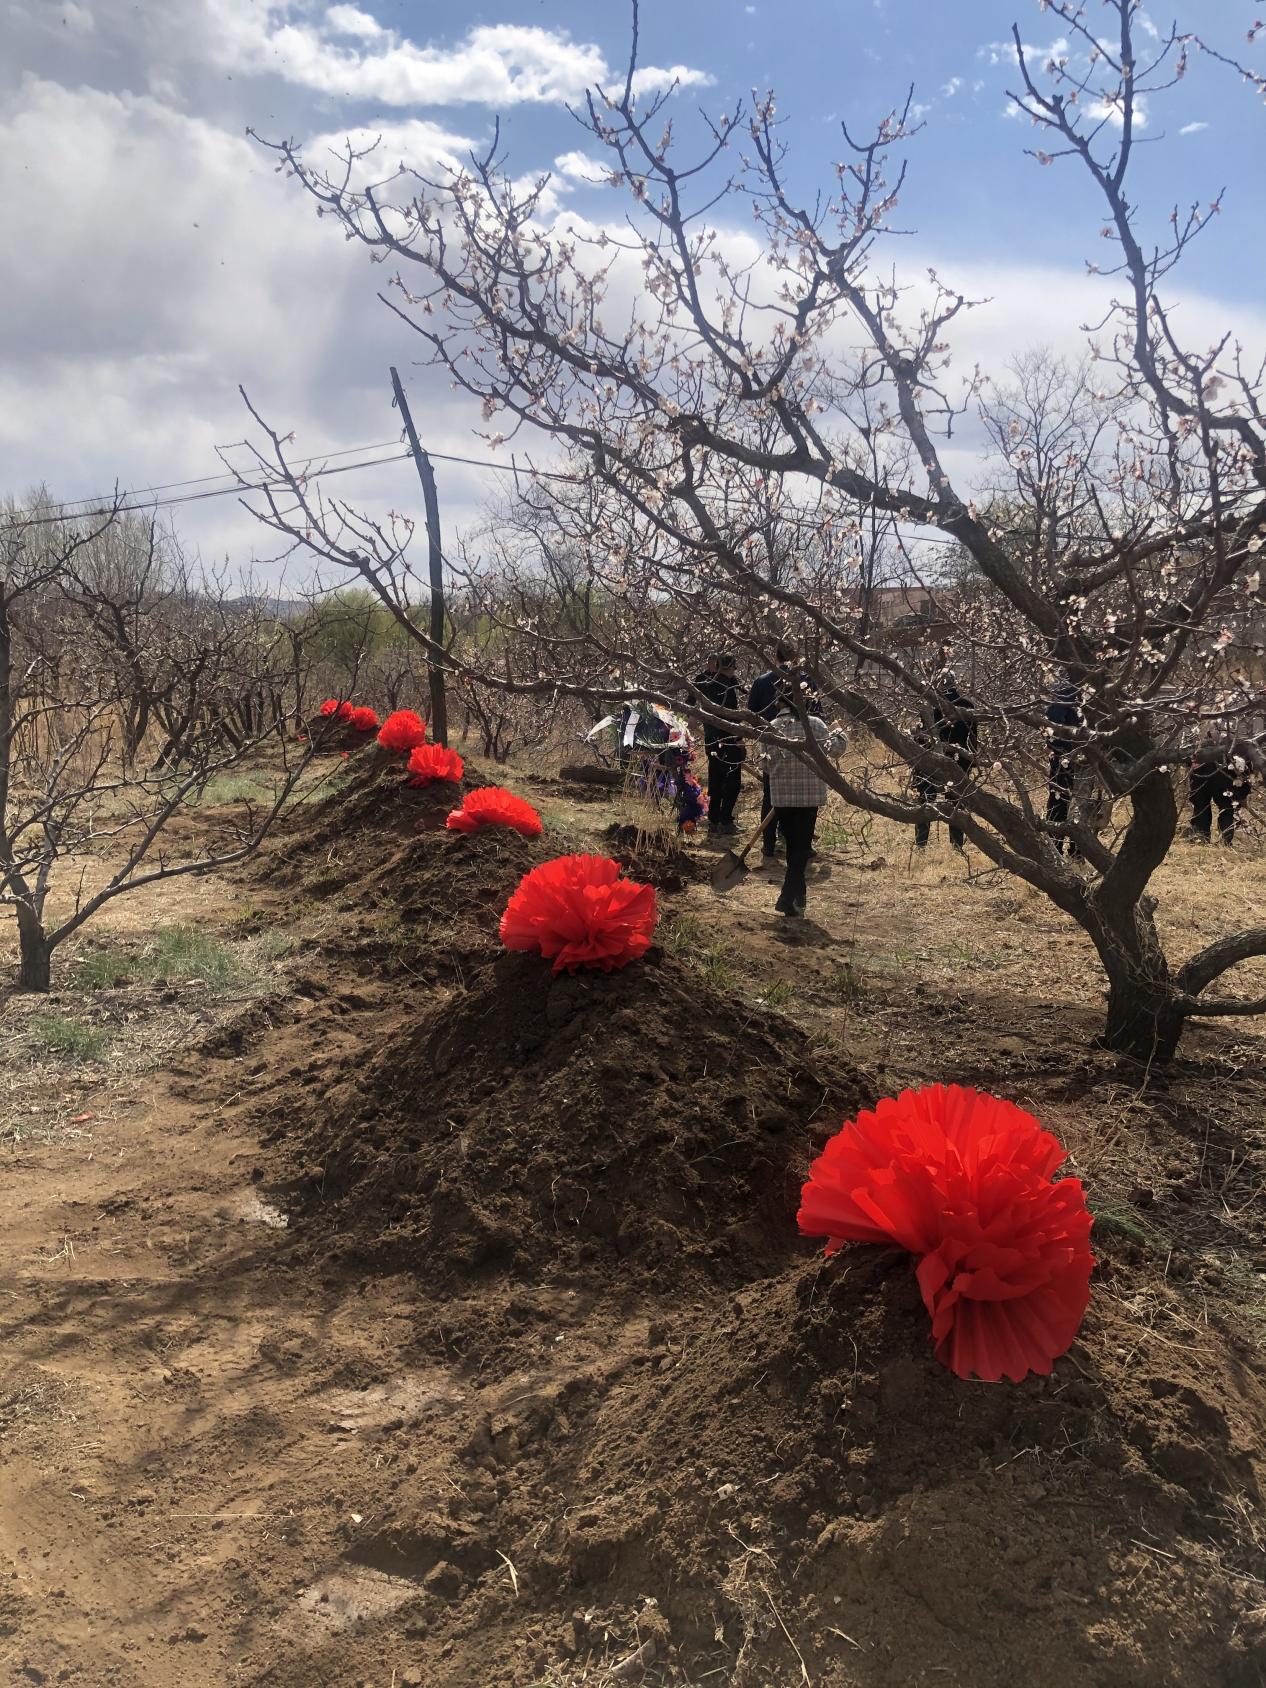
(797, 792)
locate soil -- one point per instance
(443, 1321)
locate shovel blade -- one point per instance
(729, 871)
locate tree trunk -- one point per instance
(36, 965)
(1144, 1018)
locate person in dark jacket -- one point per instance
(1219, 779)
(767, 694)
(1063, 717)
(726, 752)
(953, 736)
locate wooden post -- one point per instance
(431, 503)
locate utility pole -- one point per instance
(431, 503)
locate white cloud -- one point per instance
(579, 167)
(497, 65)
(1192, 128)
(350, 20)
(652, 78)
(950, 88)
(1100, 110)
(1004, 52)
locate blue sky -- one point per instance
(160, 260)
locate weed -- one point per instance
(779, 993)
(54, 1034)
(685, 936)
(1114, 1221)
(185, 952)
(237, 788)
(844, 983)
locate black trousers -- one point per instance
(796, 826)
(724, 781)
(1212, 788)
(769, 838)
(926, 792)
(1059, 791)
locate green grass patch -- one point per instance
(1115, 1221)
(185, 952)
(237, 788)
(55, 1034)
(686, 937)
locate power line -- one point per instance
(224, 474)
(105, 505)
(196, 497)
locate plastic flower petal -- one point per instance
(578, 912)
(430, 762)
(963, 1181)
(493, 805)
(364, 719)
(335, 707)
(402, 731)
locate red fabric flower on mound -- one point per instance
(402, 731)
(429, 762)
(493, 805)
(333, 707)
(578, 912)
(963, 1180)
(364, 719)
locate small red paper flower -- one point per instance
(493, 805)
(333, 707)
(364, 719)
(402, 731)
(430, 762)
(963, 1180)
(578, 912)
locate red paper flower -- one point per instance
(963, 1181)
(493, 805)
(364, 719)
(429, 762)
(403, 730)
(578, 912)
(333, 707)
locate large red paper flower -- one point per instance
(963, 1181)
(334, 707)
(578, 912)
(429, 762)
(364, 719)
(493, 805)
(402, 731)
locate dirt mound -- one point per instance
(802, 1444)
(638, 1122)
(783, 1473)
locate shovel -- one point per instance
(732, 866)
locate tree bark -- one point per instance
(1145, 1016)
(36, 953)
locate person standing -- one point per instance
(797, 791)
(765, 699)
(1218, 779)
(957, 737)
(1063, 717)
(725, 750)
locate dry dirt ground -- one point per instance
(377, 1310)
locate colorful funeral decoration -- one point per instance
(964, 1182)
(493, 805)
(431, 762)
(402, 731)
(335, 708)
(578, 911)
(655, 747)
(363, 719)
